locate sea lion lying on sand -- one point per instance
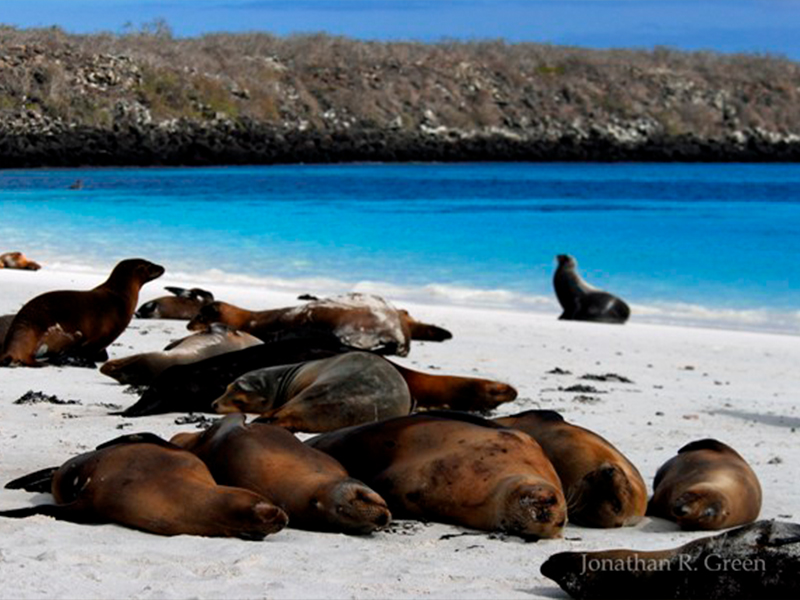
(144, 482)
(320, 395)
(183, 304)
(602, 487)
(17, 260)
(454, 468)
(77, 323)
(141, 369)
(312, 487)
(583, 302)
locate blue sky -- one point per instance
(765, 26)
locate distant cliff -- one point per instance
(147, 98)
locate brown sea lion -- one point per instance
(144, 482)
(183, 304)
(77, 322)
(753, 562)
(583, 302)
(708, 485)
(602, 487)
(141, 369)
(320, 395)
(312, 487)
(17, 260)
(432, 390)
(454, 468)
(363, 321)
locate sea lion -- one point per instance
(320, 395)
(454, 468)
(183, 304)
(312, 487)
(141, 369)
(17, 260)
(144, 482)
(581, 301)
(193, 387)
(77, 322)
(602, 487)
(708, 485)
(756, 561)
(363, 321)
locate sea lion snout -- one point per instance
(699, 509)
(535, 510)
(356, 508)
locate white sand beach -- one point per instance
(686, 384)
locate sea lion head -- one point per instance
(136, 269)
(701, 507)
(351, 507)
(604, 498)
(566, 261)
(532, 509)
(253, 392)
(249, 520)
(218, 312)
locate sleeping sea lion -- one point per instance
(312, 487)
(17, 260)
(756, 561)
(144, 482)
(77, 322)
(602, 487)
(363, 321)
(708, 485)
(581, 301)
(141, 369)
(183, 304)
(320, 395)
(454, 468)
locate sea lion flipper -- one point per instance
(137, 438)
(39, 481)
(177, 291)
(72, 512)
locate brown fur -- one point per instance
(77, 322)
(602, 487)
(312, 487)
(17, 260)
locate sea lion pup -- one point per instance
(454, 468)
(183, 304)
(602, 487)
(73, 322)
(17, 260)
(193, 387)
(756, 561)
(430, 390)
(144, 482)
(312, 487)
(141, 369)
(320, 395)
(708, 485)
(583, 302)
(363, 321)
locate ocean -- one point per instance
(697, 244)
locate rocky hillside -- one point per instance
(149, 98)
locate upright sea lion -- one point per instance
(312, 487)
(77, 322)
(144, 482)
(17, 260)
(602, 487)
(141, 369)
(320, 395)
(756, 561)
(363, 321)
(581, 301)
(193, 387)
(454, 468)
(183, 304)
(708, 485)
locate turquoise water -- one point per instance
(686, 243)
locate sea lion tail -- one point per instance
(39, 481)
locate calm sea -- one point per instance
(695, 244)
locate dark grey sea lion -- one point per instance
(144, 482)
(183, 304)
(708, 485)
(583, 302)
(320, 395)
(312, 487)
(454, 468)
(757, 561)
(603, 488)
